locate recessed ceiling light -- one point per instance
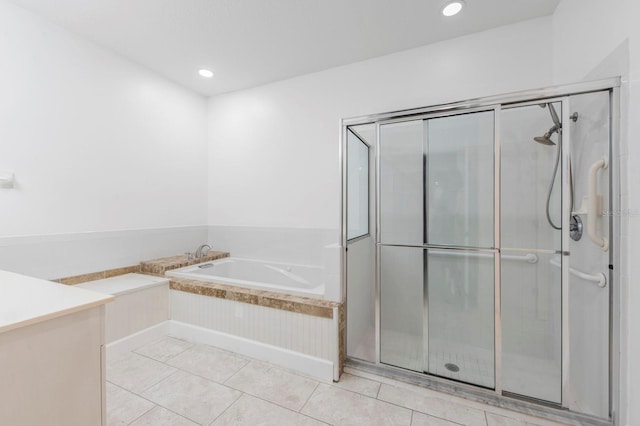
(452, 8)
(205, 73)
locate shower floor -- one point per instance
(522, 375)
(475, 365)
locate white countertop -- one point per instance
(123, 284)
(27, 300)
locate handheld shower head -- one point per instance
(557, 126)
(546, 138)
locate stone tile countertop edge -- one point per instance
(287, 302)
(160, 266)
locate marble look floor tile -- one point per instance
(497, 420)
(164, 349)
(273, 384)
(358, 384)
(209, 362)
(501, 416)
(435, 407)
(341, 407)
(136, 373)
(420, 419)
(250, 411)
(191, 396)
(160, 416)
(543, 422)
(123, 406)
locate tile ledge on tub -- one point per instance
(286, 302)
(161, 265)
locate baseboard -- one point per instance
(135, 340)
(315, 367)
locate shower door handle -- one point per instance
(594, 204)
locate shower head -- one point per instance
(546, 138)
(557, 125)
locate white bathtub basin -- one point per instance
(258, 274)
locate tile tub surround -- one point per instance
(79, 279)
(150, 267)
(246, 392)
(297, 331)
(164, 264)
(286, 302)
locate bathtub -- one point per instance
(257, 274)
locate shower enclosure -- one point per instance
(479, 248)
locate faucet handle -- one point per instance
(189, 255)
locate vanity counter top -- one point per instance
(26, 300)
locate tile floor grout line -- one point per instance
(166, 337)
(422, 412)
(204, 377)
(155, 404)
(234, 374)
(225, 410)
(171, 411)
(309, 397)
(168, 409)
(199, 375)
(136, 419)
(159, 381)
(378, 392)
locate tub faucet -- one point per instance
(202, 251)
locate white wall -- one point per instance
(596, 39)
(273, 149)
(96, 143)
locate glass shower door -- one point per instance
(531, 280)
(460, 241)
(401, 212)
(437, 246)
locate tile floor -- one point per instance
(175, 382)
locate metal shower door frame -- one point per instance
(497, 103)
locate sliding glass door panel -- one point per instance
(460, 180)
(531, 222)
(401, 183)
(402, 307)
(461, 315)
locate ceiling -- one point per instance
(251, 42)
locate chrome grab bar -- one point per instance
(529, 257)
(594, 206)
(600, 278)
